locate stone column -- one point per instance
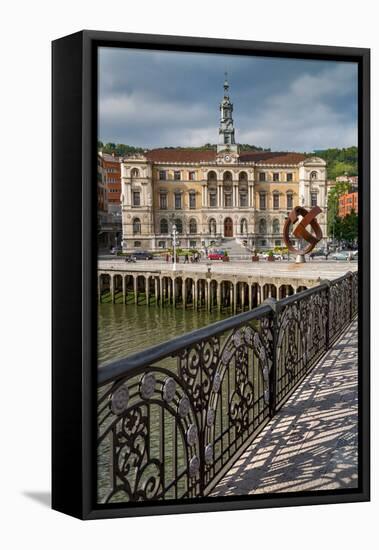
(123, 289)
(156, 290)
(111, 288)
(184, 297)
(219, 195)
(259, 294)
(147, 290)
(135, 289)
(99, 288)
(195, 295)
(218, 297)
(235, 298)
(174, 292)
(235, 196)
(243, 296)
(209, 295)
(250, 288)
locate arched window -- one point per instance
(192, 226)
(136, 226)
(179, 226)
(135, 173)
(242, 176)
(211, 176)
(212, 226)
(164, 226)
(243, 226)
(276, 226)
(262, 226)
(314, 175)
(227, 177)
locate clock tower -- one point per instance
(226, 129)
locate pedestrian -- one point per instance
(186, 259)
(167, 258)
(312, 255)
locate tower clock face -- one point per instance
(227, 158)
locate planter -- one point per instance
(255, 258)
(225, 259)
(271, 258)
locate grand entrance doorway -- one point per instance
(228, 227)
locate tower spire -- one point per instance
(226, 128)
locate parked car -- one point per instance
(216, 255)
(115, 250)
(341, 256)
(130, 258)
(143, 255)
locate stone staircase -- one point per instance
(234, 248)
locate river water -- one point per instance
(123, 330)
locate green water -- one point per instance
(123, 330)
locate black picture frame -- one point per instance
(74, 134)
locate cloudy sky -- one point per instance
(158, 99)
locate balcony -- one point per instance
(182, 413)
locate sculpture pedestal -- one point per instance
(300, 259)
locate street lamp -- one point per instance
(174, 243)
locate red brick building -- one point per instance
(347, 203)
(112, 176)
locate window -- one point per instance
(162, 174)
(161, 244)
(314, 175)
(136, 198)
(278, 242)
(191, 176)
(262, 176)
(212, 176)
(242, 176)
(179, 226)
(193, 226)
(313, 198)
(178, 201)
(228, 200)
(243, 226)
(262, 226)
(276, 226)
(177, 175)
(289, 176)
(164, 226)
(192, 200)
(243, 199)
(263, 242)
(192, 244)
(289, 201)
(262, 201)
(134, 173)
(275, 176)
(275, 201)
(136, 226)
(137, 244)
(213, 198)
(163, 201)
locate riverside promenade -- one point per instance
(311, 444)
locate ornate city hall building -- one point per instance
(213, 195)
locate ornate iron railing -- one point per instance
(174, 418)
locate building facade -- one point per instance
(212, 195)
(347, 203)
(109, 227)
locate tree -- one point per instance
(333, 204)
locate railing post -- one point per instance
(327, 303)
(350, 275)
(272, 302)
